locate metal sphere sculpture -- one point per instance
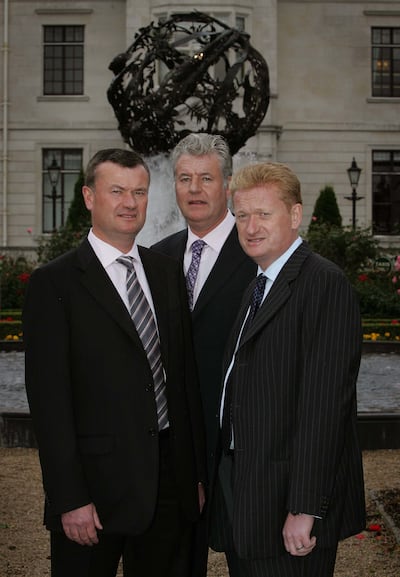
(190, 73)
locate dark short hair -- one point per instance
(122, 157)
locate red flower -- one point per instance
(24, 277)
(374, 527)
(362, 277)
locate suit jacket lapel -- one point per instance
(279, 293)
(178, 244)
(229, 259)
(97, 282)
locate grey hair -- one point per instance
(201, 144)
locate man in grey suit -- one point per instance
(202, 168)
(113, 392)
(290, 482)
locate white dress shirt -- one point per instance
(214, 240)
(107, 255)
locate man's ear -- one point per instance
(297, 215)
(87, 194)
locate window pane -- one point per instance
(240, 23)
(73, 160)
(386, 36)
(376, 36)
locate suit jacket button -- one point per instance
(152, 432)
(149, 387)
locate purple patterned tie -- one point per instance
(193, 269)
(143, 319)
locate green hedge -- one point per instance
(373, 329)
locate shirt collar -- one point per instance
(106, 253)
(217, 236)
(275, 268)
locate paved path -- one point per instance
(378, 384)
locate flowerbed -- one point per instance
(373, 329)
(381, 329)
(10, 325)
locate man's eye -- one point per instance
(116, 191)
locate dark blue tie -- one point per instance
(257, 296)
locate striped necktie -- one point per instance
(143, 319)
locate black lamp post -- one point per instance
(354, 176)
(54, 170)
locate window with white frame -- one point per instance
(386, 62)
(63, 51)
(61, 169)
(386, 192)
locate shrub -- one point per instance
(14, 277)
(78, 215)
(326, 210)
(58, 243)
(377, 295)
(352, 250)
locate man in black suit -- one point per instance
(202, 167)
(114, 398)
(290, 481)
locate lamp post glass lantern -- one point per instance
(354, 176)
(53, 171)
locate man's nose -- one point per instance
(194, 185)
(129, 199)
(252, 224)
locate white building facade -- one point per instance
(335, 94)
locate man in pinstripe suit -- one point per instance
(290, 482)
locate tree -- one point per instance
(72, 233)
(326, 210)
(78, 215)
